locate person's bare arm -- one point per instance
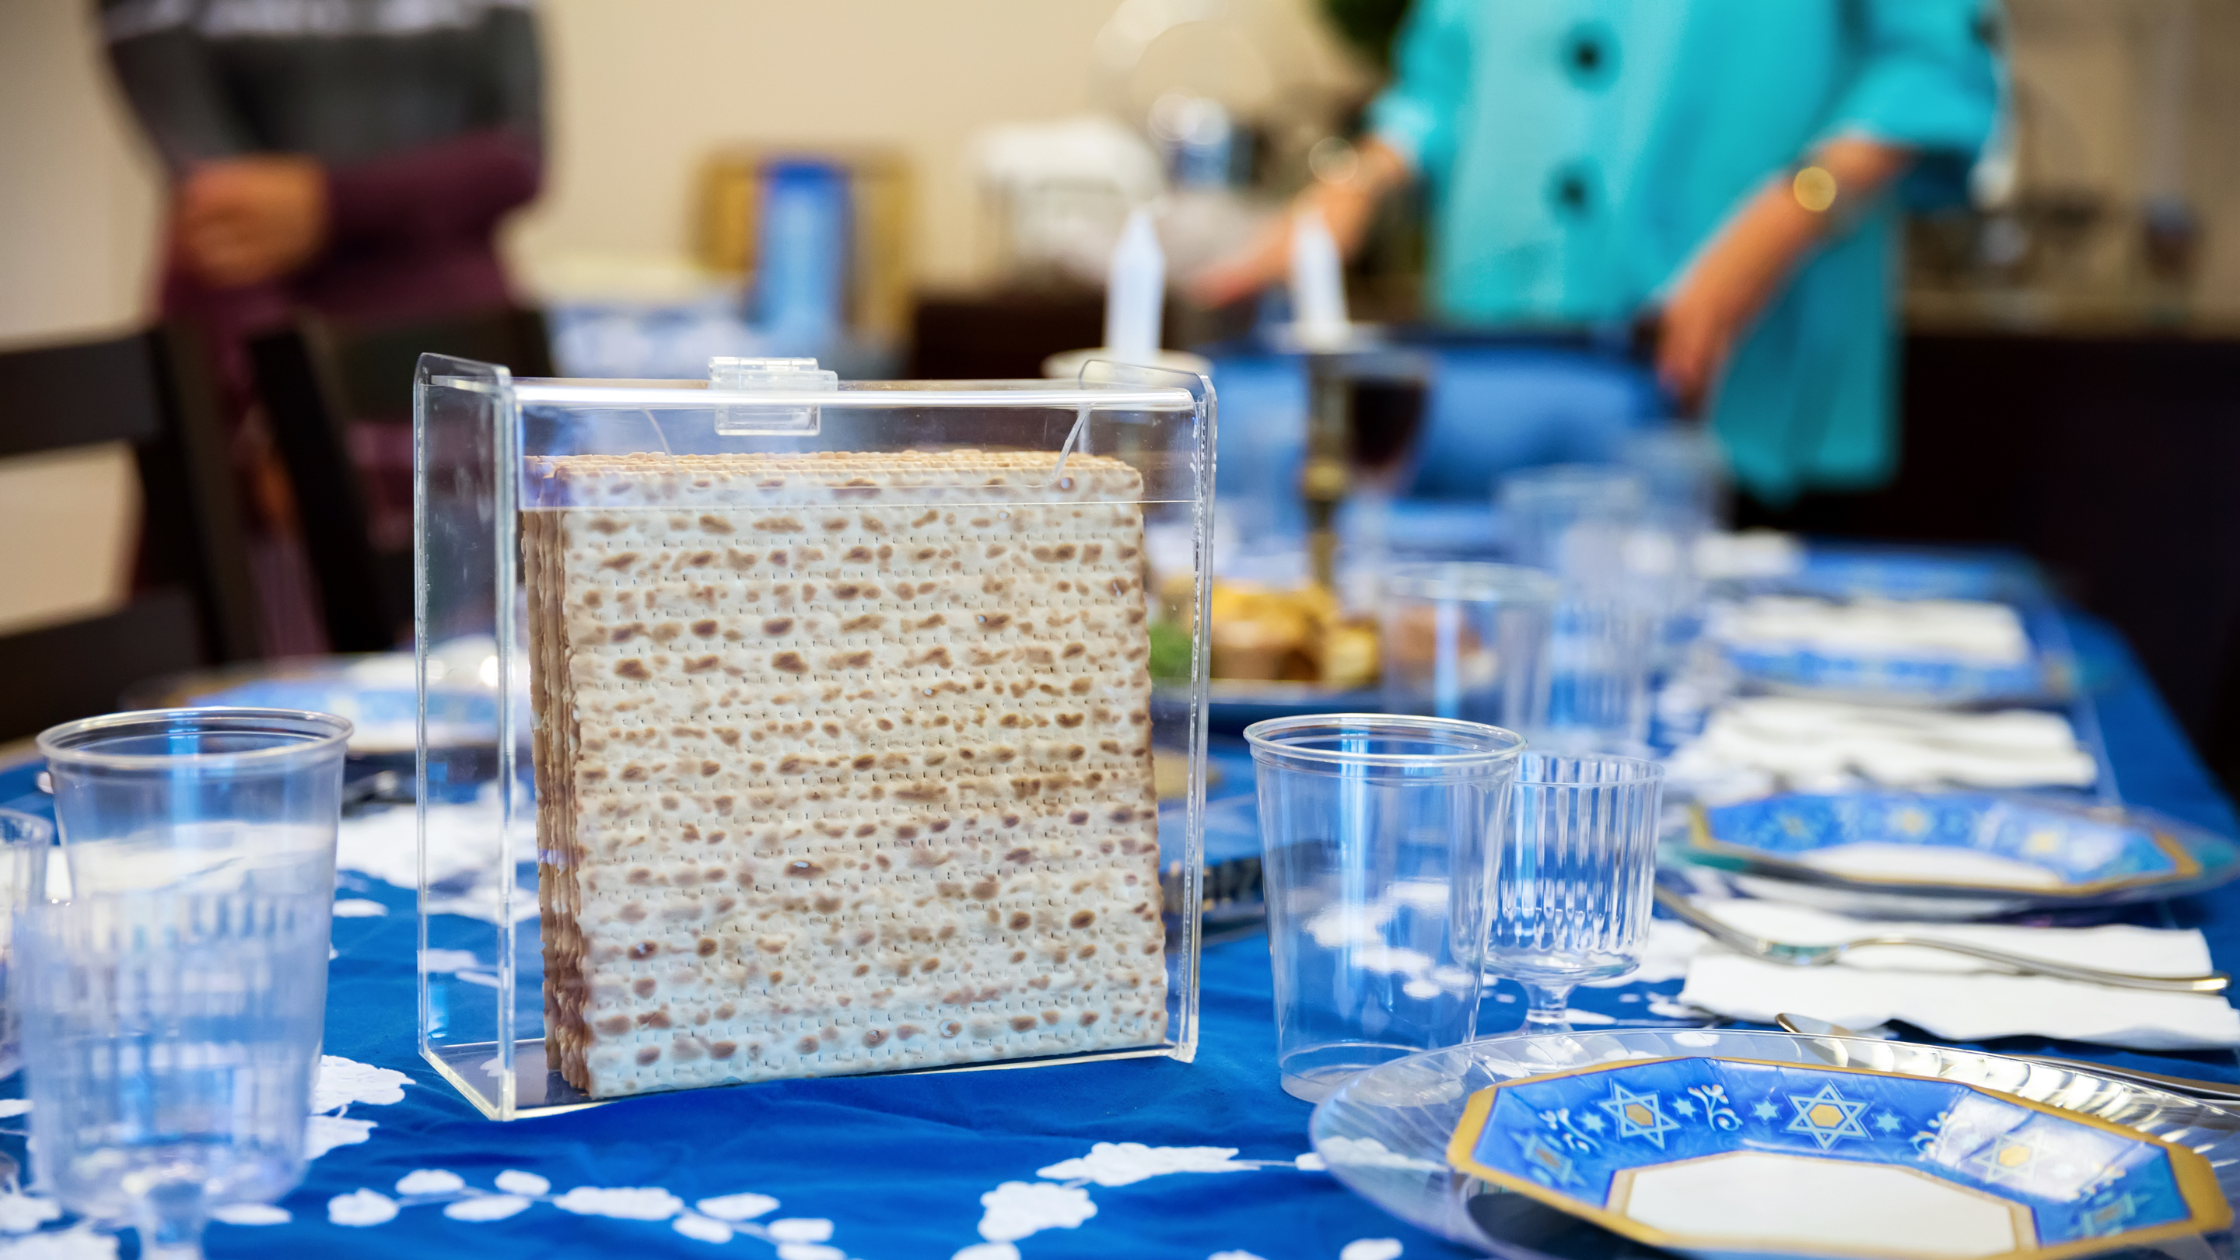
(1346, 205)
(1750, 260)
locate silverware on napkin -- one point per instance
(1823, 955)
(2206, 1091)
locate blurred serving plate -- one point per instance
(1849, 572)
(1882, 650)
(1727, 1144)
(375, 692)
(1954, 854)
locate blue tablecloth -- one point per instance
(914, 1166)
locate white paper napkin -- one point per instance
(1957, 998)
(1751, 745)
(1975, 631)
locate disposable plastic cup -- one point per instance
(1572, 877)
(1683, 475)
(174, 962)
(1468, 641)
(1374, 832)
(1600, 652)
(1573, 520)
(24, 841)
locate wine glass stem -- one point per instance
(170, 1220)
(1551, 1007)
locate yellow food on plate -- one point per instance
(1300, 635)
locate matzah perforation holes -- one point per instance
(952, 724)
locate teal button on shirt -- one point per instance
(1582, 151)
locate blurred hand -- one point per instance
(1749, 262)
(1346, 205)
(1722, 294)
(247, 220)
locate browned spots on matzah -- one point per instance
(889, 780)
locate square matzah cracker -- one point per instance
(844, 764)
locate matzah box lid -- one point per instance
(827, 727)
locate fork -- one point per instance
(1824, 955)
(2218, 1092)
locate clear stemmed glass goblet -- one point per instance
(1570, 884)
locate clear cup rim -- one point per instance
(1472, 580)
(1496, 744)
(1638, 770)
(70, 744)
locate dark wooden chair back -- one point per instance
(193, 604)
(339, 400)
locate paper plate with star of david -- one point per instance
(1998, 852)
(1769, 1146)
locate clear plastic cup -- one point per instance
(174, 962)
(24, 841)
(1683, 476)
(1683, 473)
(1374, 834)
(1469, 641)
(1573, 877)
(1600, 652)
(1572, 520)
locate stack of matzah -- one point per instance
(843, 763)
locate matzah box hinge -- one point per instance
(769, 376)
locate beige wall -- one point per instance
(640, 91)
(2096, 77)
(78, 197)
(78, 209)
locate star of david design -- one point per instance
(1638, 1115)
(2007, 1159)
(1547, 1159)
(1889, 1122)
(1912, 821)
(1765, 1110)
(1828, 1116)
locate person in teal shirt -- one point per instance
(1730, 167)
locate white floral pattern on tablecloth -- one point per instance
(1125, 1163)
(1011, 1211)
(717, 1219)
(1018, 1209)
(341, 1084)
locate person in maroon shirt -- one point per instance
(352, 158)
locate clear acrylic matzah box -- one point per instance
(827, 741)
